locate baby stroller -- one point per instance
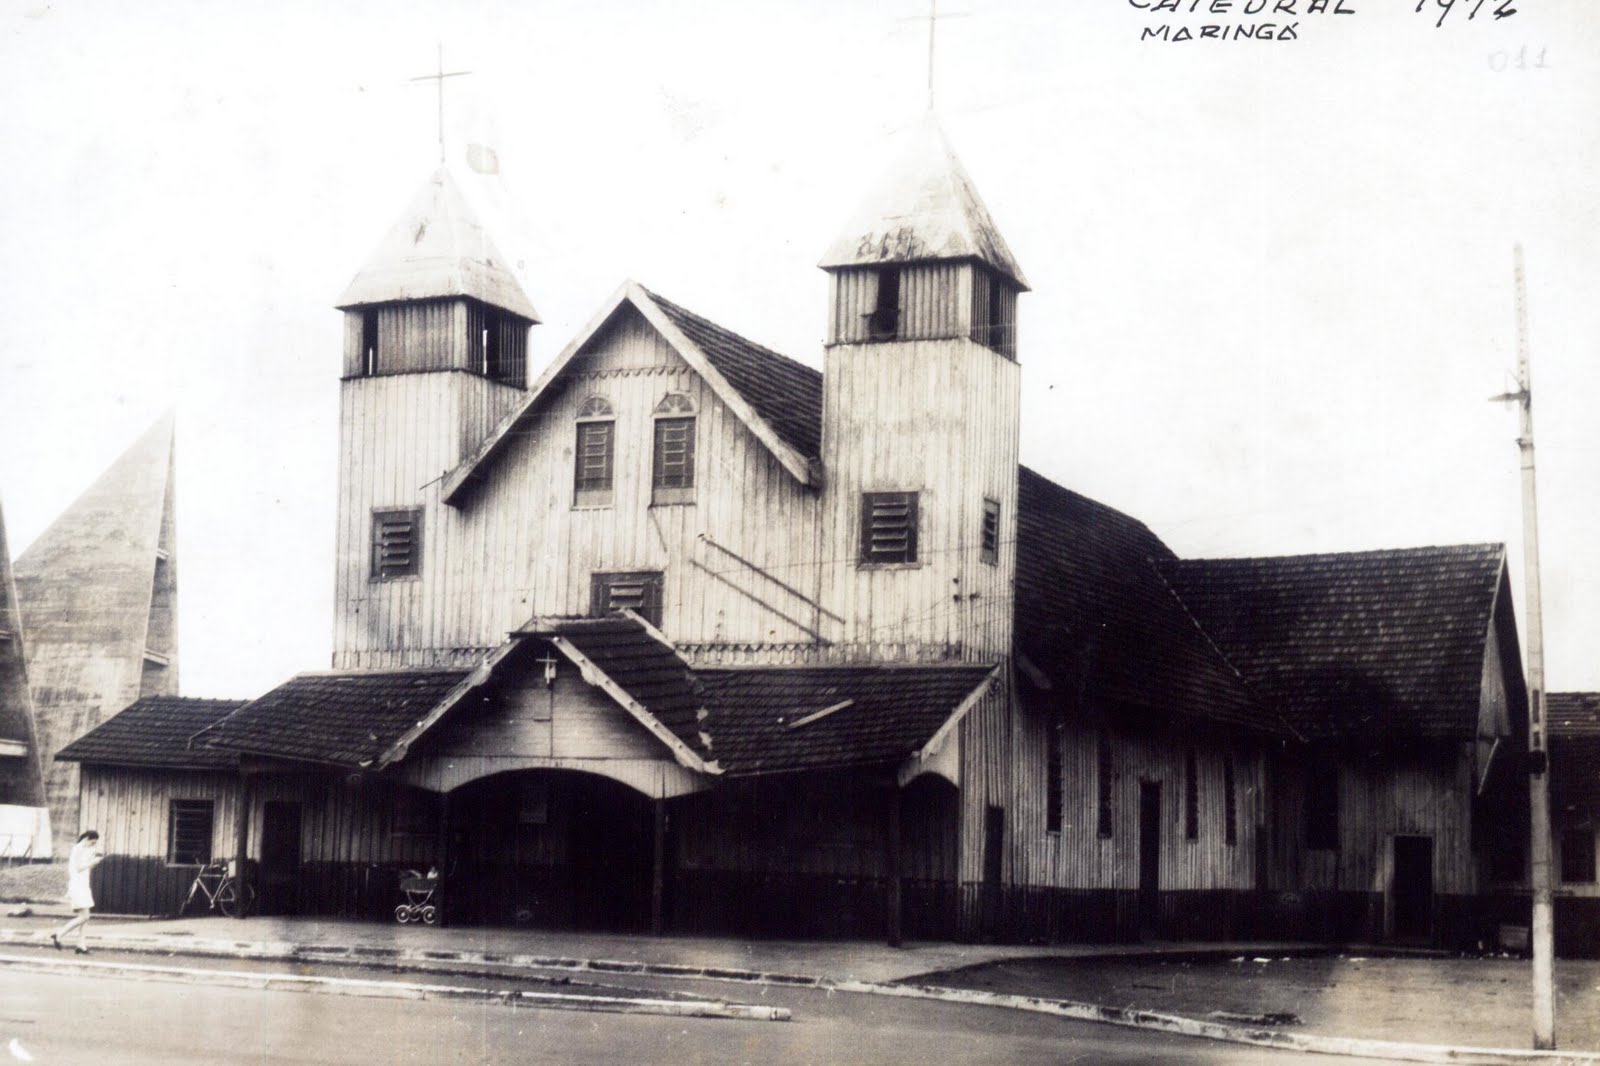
(419, 889)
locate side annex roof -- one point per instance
(157, 731)
(778, 399)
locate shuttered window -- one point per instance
(1191, 796)
(1055, 806)
(396, 544)
(189, 832)
(1104, 773)
(674, 454)
(1322, 806)
(889, 527)
(1577, 855)
(638, 591)
(596, 444)
(1230, 814)
(989, 535)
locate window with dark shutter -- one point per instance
(638, 591)
(189, 832)
(1055, 806)
(888, 527)
(1230, 815)
(1322, 806)
(1191, 796)
(672, 473)
(596, 449)
(396, 544)
(883, 321)
(989, 535)
(369, 340)
(1104, 771)
(1577, 855)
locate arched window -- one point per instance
(672, 470)
(594, 454)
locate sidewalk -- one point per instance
(1418, 999)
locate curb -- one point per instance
(1256, 1036)
(353, 986)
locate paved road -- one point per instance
(70, 1018)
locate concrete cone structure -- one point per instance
(98, 602)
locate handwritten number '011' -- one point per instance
(1503, 60)
(1502, 9)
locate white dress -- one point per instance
(85, 856)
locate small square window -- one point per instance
(888, 527)
(396, 544)
(989, 537)
(639, 592)
(189, 824)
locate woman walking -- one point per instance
(86, 855)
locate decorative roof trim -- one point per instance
(472, 468)
(480, 674)
(601, 680)
(936, 742)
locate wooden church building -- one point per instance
(680, 634)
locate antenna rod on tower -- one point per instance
(1543, 933)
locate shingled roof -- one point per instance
(342, 719)
(641, 662)
(876, 714)
(156, 731)
(1095, 615)
(788, 394)
(1357, 643)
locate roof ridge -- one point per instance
(1454, 549)
(1212, 644)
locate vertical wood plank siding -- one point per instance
(542, 548)
(1078, 857)
(1381, 795)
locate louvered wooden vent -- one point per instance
(396, 544)
(889, 527)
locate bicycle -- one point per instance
(222, 891)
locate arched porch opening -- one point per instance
(930, 846)
(558, 849)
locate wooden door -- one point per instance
(1411, 890)
(1149, 854)
(280, 857)
(994, 839)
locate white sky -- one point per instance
(1272, 280)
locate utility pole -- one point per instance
(1544, 1008)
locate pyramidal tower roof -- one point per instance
(21, 770)
(97, 593)
(438, 249)
(925, 207)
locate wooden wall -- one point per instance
(1423, 792)
(520, 547)
(1078, 857)
(959, 402)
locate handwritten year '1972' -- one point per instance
(1502, 8)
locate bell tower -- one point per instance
(920, 416)
(435, 354)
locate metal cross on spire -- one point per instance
(439, 78)
(933, 16)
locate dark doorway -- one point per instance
(280, 857)
(994, 839)
(1412, 889)
(552, 849)
(1149, 855)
